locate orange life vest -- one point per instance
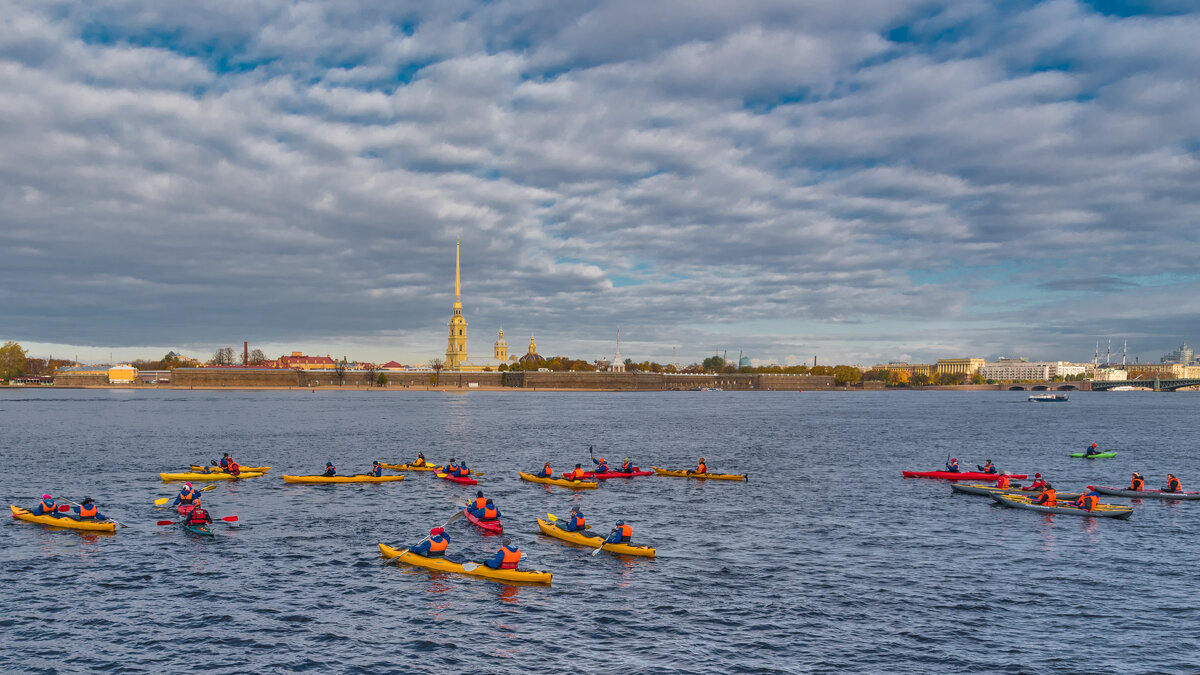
(627, 467)
(418, 462)
(1051, 497)
(48, 506)
(489, 513)
(1088, 502)
(438, 546)
(1137, 484)
(187, 495)
(579, 522)
(1174, 485)
(1002, 483)
(233, 468)
(87, 511)
(577, 474)
(626, 531)
(511, 557)
(703, 468)
(480, 502)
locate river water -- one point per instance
(825, 560)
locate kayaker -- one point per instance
(702, 467)
(1038, 483)
(198, 516)
(988, 467)
(225, 460)
(488, 512)
(1137, 482)
(187, 495)
(451, 468)
(478, 503)
(463, 471)
(433, 546)
(575, 474)
(1087, 502)
(420, 459)
(1173, 484)
(626, 466)
(576, 523)
(601, 465)
(952, 465)
(1048, 497)
(506, 558)
(87, 511)
(46, 507)
(621, 534)
(1091, 451)
(376, 468)
(232, 467)
(546, 472)
(1002, 482)
(329, 469)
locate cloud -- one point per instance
(859, 181)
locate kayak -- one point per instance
(201, 477)
(458, 479)
(69, 523)
(1101, 510)
(407, 467)
(201, 530)
(185, 508)
(961, 475)
(592, 541)
(493, 526)
(360, 478)
(701, 476)
(617, 474)
(989, 490)
(212, 469)
(1153, 494)
(561, 482)
(1098, 455)
(477, 570)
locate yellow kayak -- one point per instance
(573, 484)
(479, 570)
(340, 479)
(70, 523)
(593, 541)
(200, 477)
(701, 476)
(408, 467)
(213, 469)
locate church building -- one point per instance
(456, 344)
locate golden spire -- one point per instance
(457, 242)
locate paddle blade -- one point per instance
(230, 519)
(456, 516)
(162, 502)
(206, 488)
(63, 508)
(551, 517)
(167, 522)
(440, 475)
(468, 566)
(597, 551)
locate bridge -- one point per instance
(1046, 386)
(1156, 384)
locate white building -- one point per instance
(1111, 375)
(1013, 369)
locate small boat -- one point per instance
(561, 482)
(201, 477)
(361, 478)
(408, 467)
(1101, 510)
(492, 526)
(216, 469)
(462, 480)
(472, 569)
(989, 490)
(592, 541)
(701, 476)
(1098, 455)
(961, 475)
(617, 474)
(1144, 494)
(1047, 398)
(201, 530)
(64, 521)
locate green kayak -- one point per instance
(201, 530)
(1095, 456)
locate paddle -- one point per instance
(164, 500)
(554, 519)
(601, 547)
(451, 519)
(227, 519)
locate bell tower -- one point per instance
(501, 349)
(456, 346)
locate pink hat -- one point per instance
(46, 497)
(187, 485)
(436, 530)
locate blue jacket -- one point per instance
(376, 470)
(40, 511)
(614, 537)
(495, 561)
(423, 547)
(478, 513)
(573, 524)
(544, 473)
(600, 468)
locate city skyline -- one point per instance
(875, 182)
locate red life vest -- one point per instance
(489, 513)
(233, 468)
(703, 468)
(198, 517)
(511, 557)
(626, 531)
(87, 511)
(438, 545)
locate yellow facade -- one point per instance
(500, 352)
(122, 374)
(456, 346)
(959, 366)
(911, 368)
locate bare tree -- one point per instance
(222, 357)
(437, 365)
(371, 369)
(340, 369)
(257, 358)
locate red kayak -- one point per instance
(962, 475)
(617, 474)
(185, 509)
(493, 526)
(460, 480)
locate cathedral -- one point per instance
(456, 345)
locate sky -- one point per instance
(861, 181)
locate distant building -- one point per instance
(298, 361)
(1183, 356)
(966, 366)
(744, 362)
(531, 357)
(392, 366)
(905, 367)
(122, 373)
(1014, 369)
(1110, 375)
(618, 365)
